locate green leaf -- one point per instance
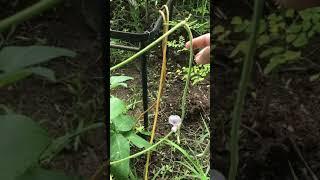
(218, 29)
(290, 38)
(16, 57)
(117, 107)
(263, 39)
(21, 143)
(123, 122)
(294, 28)
(290, 13)
(306, 25)
(42, 174)
(137, 140)
(12, 77)
(270, 51)
(314, 77)
(300, 41)
(116, 81)
(44, 72)
(236, 20)
(241, 47)
(281, 59)
(119, 149)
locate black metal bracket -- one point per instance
(143, 39)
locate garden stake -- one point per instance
(245, 77)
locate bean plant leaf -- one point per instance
(271, 51)
(281, 59)
(123, 122)
(13, 58)
(21, 143)
(117, 107)
(263, 39)
(241, 47)
(218, 29)
(44, 72)
(120, 148)
(290, 38)
(236, 20)
(301, 40)
(137, 140)
(42, 174)
(116, 81)
(12, 77)
(290, 13)
(294, 28)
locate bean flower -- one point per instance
(175, 121)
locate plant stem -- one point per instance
(186, 87)
(27, 13)
(182, 23)
(245, 77)
(161, 84)
(142, 152)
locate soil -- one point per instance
(53, 104)
(287, 133)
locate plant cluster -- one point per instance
(281, 36)
(122, 131)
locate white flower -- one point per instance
(175, 121)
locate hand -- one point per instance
(202, 57)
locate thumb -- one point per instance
(203, 57)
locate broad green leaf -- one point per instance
(119, 149)
(44, 72)
(116, 81)
(17, 57)
(300, 41)
(117, 107)
(137, 140)
(123, 122)
(270, 51)
(42, 174)
(21, 143)
(12, 77)
(281, 59)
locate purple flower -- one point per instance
(175, 121)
